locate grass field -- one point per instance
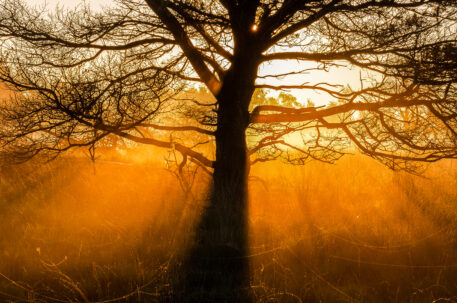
(72, 231)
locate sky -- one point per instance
(69, 3)
(342, 76)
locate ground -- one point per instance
(117, 231)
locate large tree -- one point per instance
(84, 75)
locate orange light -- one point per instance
(254, 28)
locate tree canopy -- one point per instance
(81, 75)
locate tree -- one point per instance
(83, 75)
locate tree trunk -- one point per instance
(219, 267)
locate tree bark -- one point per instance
(219, 270)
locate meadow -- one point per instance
(117, 230)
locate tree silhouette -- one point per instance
(118, 71)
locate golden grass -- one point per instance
(116, 232)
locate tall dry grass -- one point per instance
(117, 232)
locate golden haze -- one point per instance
(354, 231)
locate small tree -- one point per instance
(76, 71)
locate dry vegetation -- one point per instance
(116, 232)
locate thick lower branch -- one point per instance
(297, 115)
(179, 147)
